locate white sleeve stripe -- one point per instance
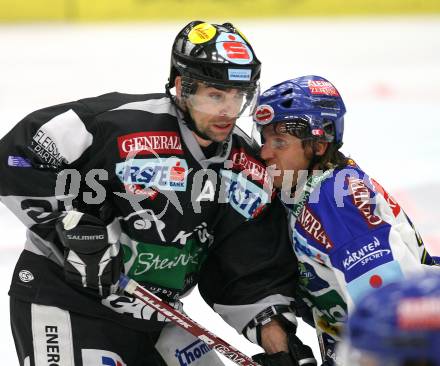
(156, 106)
(69, 134)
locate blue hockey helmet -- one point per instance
(310, 105)
(397, 325)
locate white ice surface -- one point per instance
(387, 69)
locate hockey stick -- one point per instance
(211, 340)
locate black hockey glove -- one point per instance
(299, 355)
(92, 254)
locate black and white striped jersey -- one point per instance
(173, 204)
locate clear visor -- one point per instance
(219, 100)
(256, 134)
(303, 127)
(274, 134)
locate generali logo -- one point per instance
(362, 200)
(313, 227)
(148, 143)
(255, 169)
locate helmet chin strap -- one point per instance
(193, 126)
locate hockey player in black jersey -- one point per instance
(162, 187)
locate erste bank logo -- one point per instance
(166, 174)
(244, 196)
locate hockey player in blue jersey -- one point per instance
(350, 236)
(398, 325)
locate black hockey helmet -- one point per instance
(217, 54)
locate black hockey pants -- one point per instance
(50, 336)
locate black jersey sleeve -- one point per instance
(34, 155)
(251, 267)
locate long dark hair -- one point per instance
(332, 158)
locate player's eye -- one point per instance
(278, 143)
(216, 97)
(239, 96)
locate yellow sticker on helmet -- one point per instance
(202, 33)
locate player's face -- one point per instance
(286, 154)
(215, 111)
